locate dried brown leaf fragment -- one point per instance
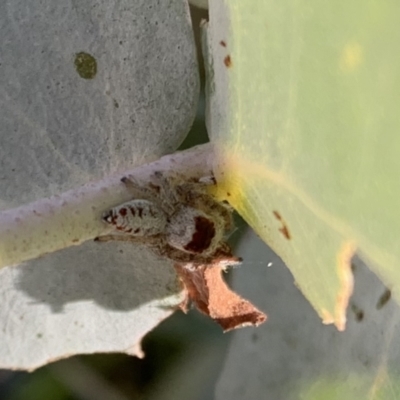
(206, 288)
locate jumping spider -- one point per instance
(179, 221)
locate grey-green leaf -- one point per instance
(88, 89)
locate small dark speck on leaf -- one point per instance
(86, 65)
(383, 299)
(358, 313)
(39, 335)
(228, 61)
(222, 43)
(116, 105)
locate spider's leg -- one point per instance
(138, 189)
(208, 180)
(145, 240)
(209, 205)
(169, 198)
(155, 243)
(200, 185)
(222, 257)
(182, 257)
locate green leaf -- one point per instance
(304, 100)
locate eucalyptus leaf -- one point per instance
(303, 114)
(63, 125)
(89, 89)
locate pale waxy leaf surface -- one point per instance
(304, 114)
(88, 89)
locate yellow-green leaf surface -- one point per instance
(304, 112)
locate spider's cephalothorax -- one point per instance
(182, 221)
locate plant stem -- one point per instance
(71, 218)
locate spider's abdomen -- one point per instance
(193, 231)
(137, 218)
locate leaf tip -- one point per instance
(345, 273)
(136, 350)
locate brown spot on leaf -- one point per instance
(285, 232)
(203, 235)
(283, 229)
(222, 43)
(358, 313)
(384, 299)
(85, 65)
(277, 215)
(228, 61)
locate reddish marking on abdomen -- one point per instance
(228, 61)
(122, 212)
(202, 237)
